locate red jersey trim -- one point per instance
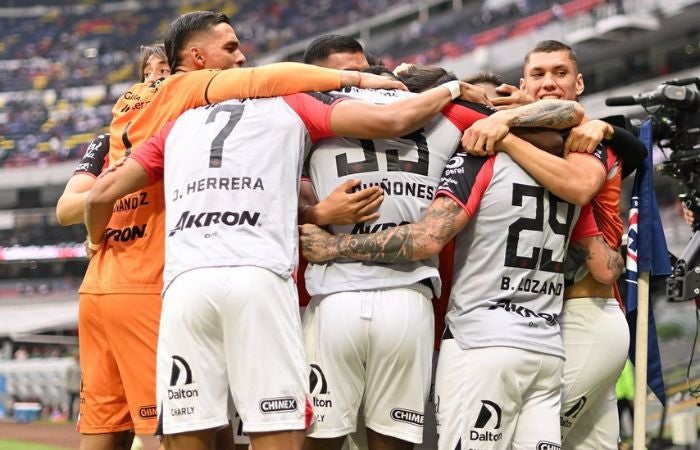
(315, 114)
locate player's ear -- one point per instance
(196, 56)
(579, 84)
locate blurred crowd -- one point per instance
(60, 73)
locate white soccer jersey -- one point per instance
(235, 203)
(508, 283)
(408, 169)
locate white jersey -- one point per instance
(232, 182)
(508, 282)
(408, 169)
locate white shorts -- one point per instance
(370, 348)
(596, 341)
(231, 332)
(497, 398)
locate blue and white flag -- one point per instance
(646, 252)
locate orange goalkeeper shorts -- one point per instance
(118, 334)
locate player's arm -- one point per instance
(70, 207)
(603, 263)
(287, 78)
(482, 137)
(441, 222)
(588, 247)
(628, 148)
(368, 121)
(575, 178)
(113, 185)
(586, 137)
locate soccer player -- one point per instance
(499, 371)
(70, 210)
(336, 51)
(230, 250)
(369, 328)
(124, 277)
(592, 319)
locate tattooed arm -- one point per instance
(604, 264)
(442, 221)
(482, 137)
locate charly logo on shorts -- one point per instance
(148, 412)
(276, 405)
(489, 417)
(546, 445)
(407, 416)
(180, 377)
(573, 412)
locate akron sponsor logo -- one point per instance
(276, 405)
(407, 416)
(125, 234)
(148, 412)
(360, 228)
(489, 417)
(507, 305)
(198, 220)
(546, 445)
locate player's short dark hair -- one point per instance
(421, 78)
(380, 69)
(146, 52)
(182, 28)
(484, 77)
(373, 60)
(325, 45)
(550, 46)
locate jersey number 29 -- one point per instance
(537, 224)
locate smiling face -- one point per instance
(552, 75)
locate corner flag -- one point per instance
(646, 252)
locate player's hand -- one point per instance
(345, 207)
(316, 243)
(118, 163)
(585, 137)
(481, 138)
(90, 248)
(474, 94)
(688, 214)
(402, 68)
(510, 97)
(372, 81)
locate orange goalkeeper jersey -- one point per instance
(606, 203)
(132, 255)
